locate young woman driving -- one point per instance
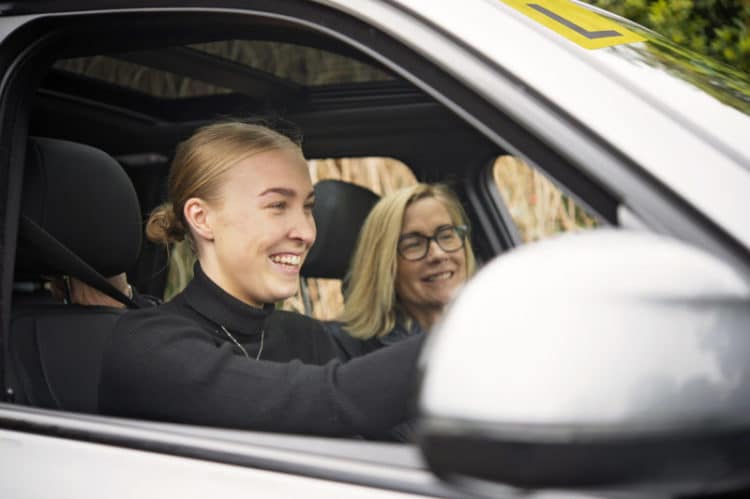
(218, 353)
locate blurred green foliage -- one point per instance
(718, 28)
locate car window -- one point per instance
(180, 88)
(538, 207)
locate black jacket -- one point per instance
(350, 347)
(174, 363)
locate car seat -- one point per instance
(80, 217)
(340, 211)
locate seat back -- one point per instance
(55, 354)
(340, 211)
(83, 199)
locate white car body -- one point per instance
(648, 136)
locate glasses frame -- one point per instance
(462, 231)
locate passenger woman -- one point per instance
(412, 255)
(218, 353)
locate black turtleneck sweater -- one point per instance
(176, 363)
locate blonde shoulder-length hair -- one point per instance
(370, 302)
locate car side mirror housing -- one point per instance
(608, 358)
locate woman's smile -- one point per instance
(263, 227)
(426, 285)
(439, 277)
(287, 262)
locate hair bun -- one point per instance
(163, 226)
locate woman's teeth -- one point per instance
(287, 259)
(440, 277)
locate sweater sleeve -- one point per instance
(164, 367)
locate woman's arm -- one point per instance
(164, 367)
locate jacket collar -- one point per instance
(212, 302)
(400, 331)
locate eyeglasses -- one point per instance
(416, 246)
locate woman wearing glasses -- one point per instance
(412, 255)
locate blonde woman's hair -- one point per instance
(199, 167)
(370, 302)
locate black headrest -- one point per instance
(83, 198)
(340, 210)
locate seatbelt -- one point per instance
(67, 261)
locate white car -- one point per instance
(609, 363)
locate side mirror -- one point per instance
(610, 358)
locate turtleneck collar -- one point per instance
(212, 302)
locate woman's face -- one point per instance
(262, 227)
(425, 286)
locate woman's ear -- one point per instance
(196, 213)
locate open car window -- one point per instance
(137, 99)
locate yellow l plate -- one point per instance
(576, 23)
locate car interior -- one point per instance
(111, 97)
(381, 115)
(55, 348)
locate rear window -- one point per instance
(538, 208)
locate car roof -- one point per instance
(681, 117)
